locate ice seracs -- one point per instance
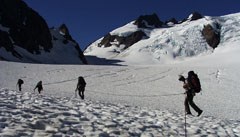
(199, 36)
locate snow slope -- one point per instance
(135, 100)
(170, 44)
(142, 100)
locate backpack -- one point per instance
(195, 82)
(20, 81)
(81, 81)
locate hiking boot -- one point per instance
(199, 113)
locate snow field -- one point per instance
(29, 114)
(120, 100)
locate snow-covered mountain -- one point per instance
(26, 37)
(134, 100)
(149, 43)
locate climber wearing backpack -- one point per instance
(192, 86)
(81, 87)
(19, 84)
(39, 87)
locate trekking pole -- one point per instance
(75, 93)
(181, 78)
(185, 123)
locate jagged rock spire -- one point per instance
(148, 21)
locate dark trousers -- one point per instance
(81, 92)
(39, 89)
(20, 87)
(189, 100)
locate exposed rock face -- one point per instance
(171, 21)
(195, 16)
(212, 36)
(1, 58)
(27, 28)
(192, 17)
(127, 41)
(64, 31)
(81, 55)
(148, 21)
(6, 42)
(21, 26)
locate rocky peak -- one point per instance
(195, 16)
(148, 21)
(171, 21)
(21, 26)
(27, 28)
(63, 30)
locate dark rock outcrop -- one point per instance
(133, 38)
(21, 26)
(27, 28)
(148, 21)
(81, 55)
(106, 41)
(195, 16)
(192, 17)
(182, 21)
(1, 58)
(65, 32)
(212, 36)
(172, 20)
(63, 29)
(127, 41)
(6, 42)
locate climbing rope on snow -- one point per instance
(131, 95)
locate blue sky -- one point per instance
(88, 20)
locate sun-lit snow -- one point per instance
(164, 45)
(142, 100)
(139, 100)
(28, 114)
(125, 30)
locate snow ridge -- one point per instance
(170, 44)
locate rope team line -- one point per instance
(112, 94)
(131, 95)
(58, 82)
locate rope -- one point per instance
(130, 95)
(112, 94)
(60, 81)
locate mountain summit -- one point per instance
(148, 21)
(169, 41)
(25, 37)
